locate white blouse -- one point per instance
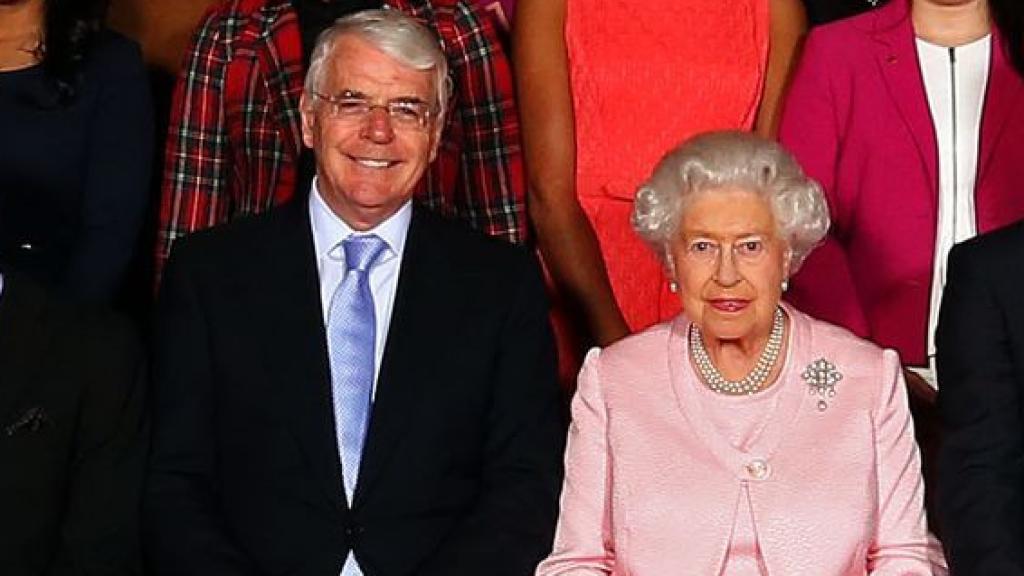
(955, 80)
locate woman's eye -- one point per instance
(700, 246)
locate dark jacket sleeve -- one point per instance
(184, 529)
(99, 533)
(512, 526)
(116, 185)
(979, 401)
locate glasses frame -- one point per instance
(389, 107)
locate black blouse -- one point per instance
(75, 177)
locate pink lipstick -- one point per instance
(729, 304)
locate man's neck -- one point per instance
(950, 25)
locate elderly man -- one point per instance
(234, 144)
(402, 415)
(980, 344)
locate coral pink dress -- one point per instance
(645, 76)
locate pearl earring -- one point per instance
(673, 286)
(785, 285)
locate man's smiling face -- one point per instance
(368, 166)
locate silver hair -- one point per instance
(394, 33)
(719, 160)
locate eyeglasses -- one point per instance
(404, 114)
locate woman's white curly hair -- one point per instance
(720, 160)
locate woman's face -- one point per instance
(729, 263)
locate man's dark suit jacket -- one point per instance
(462, 465)
(980, 343)
(72, 438)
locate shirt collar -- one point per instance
(329, 229)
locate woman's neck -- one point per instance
(21, 31)
(735, 358)
(950, 23)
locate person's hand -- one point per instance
(919, 389)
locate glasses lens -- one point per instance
(402, 114)
(350, 108)
(409, 114)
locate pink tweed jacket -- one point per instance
(651, 488)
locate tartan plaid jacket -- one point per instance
(234, 136)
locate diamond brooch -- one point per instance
(821, 377)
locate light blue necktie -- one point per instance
(351, 335)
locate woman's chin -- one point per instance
(728, 327)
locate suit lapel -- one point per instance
(420, 283)
(898, 61)
(1001, 98)
(296, 344)
(23, 341)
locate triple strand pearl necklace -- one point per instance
(752, 382)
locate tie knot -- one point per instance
(361, 252)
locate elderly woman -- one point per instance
(743, 437)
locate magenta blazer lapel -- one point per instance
(901, 71)
(1002, 97)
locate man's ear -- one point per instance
(308, 115)
(438, 130)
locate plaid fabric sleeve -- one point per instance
(196, 155)
(492, 185)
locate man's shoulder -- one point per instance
(241, 239)
(998, 250)
(466, 246)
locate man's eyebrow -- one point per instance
(408, 100)
(356, 94)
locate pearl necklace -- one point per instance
(752, 382)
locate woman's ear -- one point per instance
(670, 268)
(787, 263)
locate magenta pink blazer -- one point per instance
(858, 121)
(651, 488)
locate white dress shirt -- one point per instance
(328, 232)
(955, 80)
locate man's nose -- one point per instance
(377, 125)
